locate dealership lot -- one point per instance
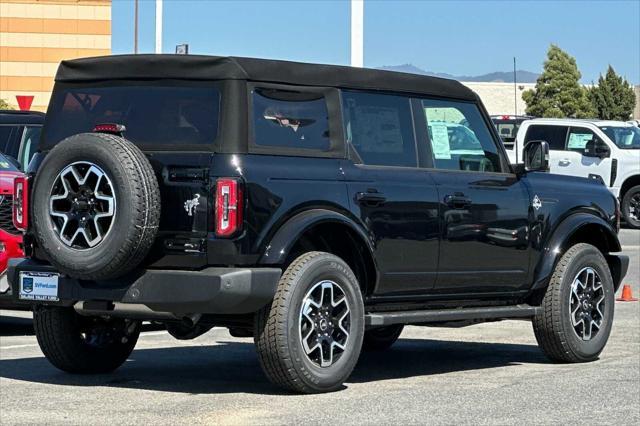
(489, 373)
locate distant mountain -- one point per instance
(505, 77)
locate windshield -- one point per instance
(624, 137)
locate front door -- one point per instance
(484, 208)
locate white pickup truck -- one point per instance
(609, 150)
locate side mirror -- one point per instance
(536, 156)
(596, 148)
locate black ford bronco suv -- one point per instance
(316, 208)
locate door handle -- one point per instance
(457, 201)
(370, 198)
(564, 162)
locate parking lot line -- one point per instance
(18, 346)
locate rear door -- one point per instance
(394, 198)
(484, 208)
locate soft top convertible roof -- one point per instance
(198, 67)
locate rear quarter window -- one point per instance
(290, 122)
(154, 115)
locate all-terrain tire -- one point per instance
(83, 345)
(633, 221)
(277, 337)
(137, 207)
(379, 339)
(553, 326)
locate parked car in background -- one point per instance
(508, 126)
(606, 150)
(20, 134)
(10, 237)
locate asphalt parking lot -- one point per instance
(485, 374)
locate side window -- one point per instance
(380, 128)
(555, 136)
(290, 120)
(460, 138)
(578, 139)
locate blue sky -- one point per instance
(456, 37)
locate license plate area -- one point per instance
(42, 286)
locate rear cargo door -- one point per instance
(175, 124)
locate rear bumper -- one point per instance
(208, 291)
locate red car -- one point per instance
(10, 237)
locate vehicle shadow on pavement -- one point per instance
(15, 326)
(424, 357)
(232, 366)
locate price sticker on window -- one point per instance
(440, 142)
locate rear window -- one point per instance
(153, 115)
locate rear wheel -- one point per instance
(382, 338)
(577, 310)
(78, 344)
(309, 338)
(630, 207)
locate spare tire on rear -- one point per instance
(95, 206)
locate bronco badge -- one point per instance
(190, 205)
(536, 203)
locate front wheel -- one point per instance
(577, 310)
(309, 338)
(84, 345)
(630, 207)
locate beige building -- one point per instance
(498, 98)
(35, 35)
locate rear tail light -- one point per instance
(21, 203)
(228, 207)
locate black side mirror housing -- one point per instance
(596, 148)
(536, 156)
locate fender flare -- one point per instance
(288, 234)
(552, 251)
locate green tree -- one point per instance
(558, 92)
(613, 98)
(4, 104)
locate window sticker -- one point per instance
(578, 140)
(440, 142)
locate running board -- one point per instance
(443, 315)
